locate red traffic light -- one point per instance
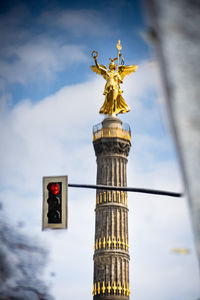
(53, 188)
(55, 209)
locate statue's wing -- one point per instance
(101, 71)
(126, 70)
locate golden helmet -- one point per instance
(112, 64)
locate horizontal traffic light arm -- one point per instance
(126, 189)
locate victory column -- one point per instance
(112, 142)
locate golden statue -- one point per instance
(114, 103)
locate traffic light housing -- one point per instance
(55, 202)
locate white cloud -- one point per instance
(55, 125)
(54, 137)
(78, 22)
(39, 59)
(49, 129)
(12, 26)
(156, 226)
(30, 53)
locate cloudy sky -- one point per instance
(49, 101)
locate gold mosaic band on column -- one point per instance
(111, 288)
(114, 196)
(112, 132)
(108, 243)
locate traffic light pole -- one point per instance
(55, 191)
(127, 189)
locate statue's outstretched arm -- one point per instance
(96, 63)
(95, 55)
(102, 68)
(99, 69)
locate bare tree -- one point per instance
(21, 262)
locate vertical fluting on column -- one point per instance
(111, 249)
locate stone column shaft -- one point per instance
(111, 249)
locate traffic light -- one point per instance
(55, 202)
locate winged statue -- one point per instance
(114, 103)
